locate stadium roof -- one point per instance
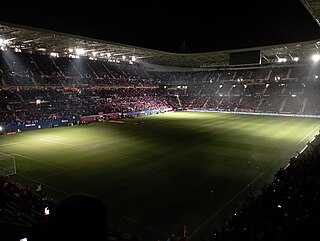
(31, 39)
(313, 6)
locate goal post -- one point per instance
(7, 165)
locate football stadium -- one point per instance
(106, 141)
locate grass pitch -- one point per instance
(155, 173)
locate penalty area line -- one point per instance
(14, 143)
(58, 142)
(32, 159)
(51, 175)
(46, 185)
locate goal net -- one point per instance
(7, 165)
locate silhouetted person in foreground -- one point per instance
(76, 218)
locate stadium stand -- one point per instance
(38, 88)
(88, 87)
(22, 209)
(43, 88)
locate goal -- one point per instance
(7, 165)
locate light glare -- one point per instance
(315, 57)
(80, 51)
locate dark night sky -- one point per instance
(203, 27)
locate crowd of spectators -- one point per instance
(27, 213)
(21, 208)
(40, 88)
(75, 87)
(21, 106)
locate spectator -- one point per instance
(76, 218)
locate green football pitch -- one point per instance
(155, 173)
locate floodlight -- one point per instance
(80, 51)
(4, 42)
(315, 57)
(282, 60)
(53, 54)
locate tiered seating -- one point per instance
(80, 87)
(277, 88)
(21, 209)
